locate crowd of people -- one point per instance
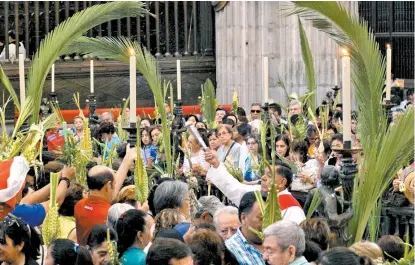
(205, 215)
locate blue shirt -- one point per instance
(243, 251)
(133, 256)
(250, 173)
(34, 214)
(114, 141)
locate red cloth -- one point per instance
(287, 201)
(10, 200)
(55, 141)
(90, 212)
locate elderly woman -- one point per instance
(214, 142)
(172, 195)
(115, 211)
(230, 150)
(167, 219)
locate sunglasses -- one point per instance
(255, 111)
(10, 221)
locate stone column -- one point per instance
(246, 31)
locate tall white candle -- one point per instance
(22, 80)
(388, 71)
(133, 87)
(336, 79)
(52, 78)
(179, 80)
(266, 78)
(347, 130)
(91, 70)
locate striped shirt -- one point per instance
(243, 251)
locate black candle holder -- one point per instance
(53, 98)
(93, 117)
(132, 134)
(348, 168)
(387, 106)
(336, 92)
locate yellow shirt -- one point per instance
(67, 225)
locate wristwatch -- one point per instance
(68, 181)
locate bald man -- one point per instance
(107, 117)
(103, 185)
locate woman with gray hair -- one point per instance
(115, 211)
(172, 195)
(284, 244)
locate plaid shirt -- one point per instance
(300, 261)
(243, 251)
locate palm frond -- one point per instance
(6, 83)
(209, 103)
(374, 222)
(386, 149)
(309, 65)
(235, 102)
(119, 49)
(315, 202)
(57, 41)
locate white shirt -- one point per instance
(244, 152)
(195, 159)
(310, 168)
(12, 52)
(235, 190)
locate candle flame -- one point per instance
(132, 51)
(345, 52)
(388, 46)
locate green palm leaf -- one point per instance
(209, 104)
(309, 65)
(6, 83)
(119, 49)
(56, 42)
(386, 149)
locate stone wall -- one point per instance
(246, 31)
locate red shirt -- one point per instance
(90, 212)
(55, 140)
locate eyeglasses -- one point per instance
(224, 232)
(255, 111)
(251, 143)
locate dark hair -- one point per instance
(147, 119)
(312, 251)
(285, 172)
(127, 226)
(210, 133)
(228, 122)
(106, 127)
(338, 115)
(338, 137)
(12, 34)
(222, 109)
(286, 139)
(66, 252)
(148, 130)
(393, 247)
(342, 256)
(98, 181)
(276, 107)
(98, 235)
(332, 127)
(170, 233)
(244, 129)
(316, 230)
(327, 147)
(243, 119)
(194, 116)
(206, 246)
(207, 226)
(73, 196)
(311, 129)
(21, 232)
(339, 105)
(247, 202)
(301, 147)
(240, 111)
(165, 249)
(155, 127)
